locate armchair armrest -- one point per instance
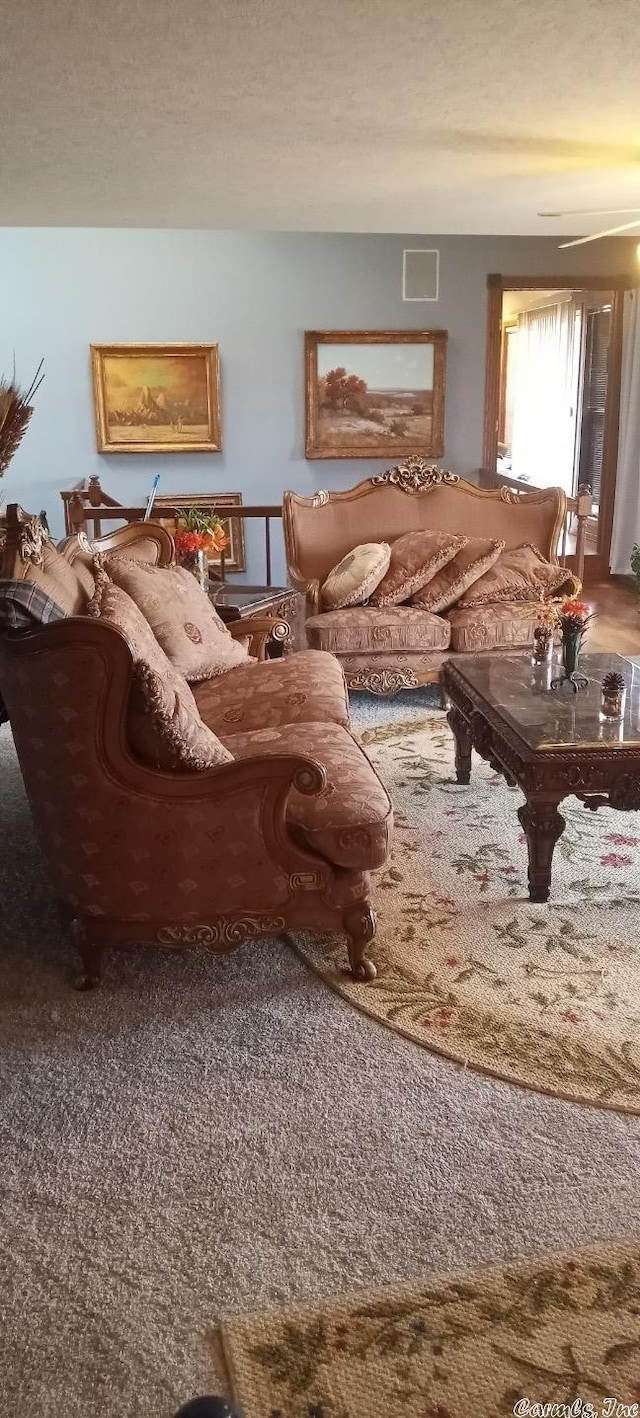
(259, 630)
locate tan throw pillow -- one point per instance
(415, 559)
(468, 565)
(356, 576)
(163, 722)
(520, 574)
(181, 617)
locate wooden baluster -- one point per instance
(267, 548)
(583, 505)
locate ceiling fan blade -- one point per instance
(596, 212)
(612, 231)
(582, 151)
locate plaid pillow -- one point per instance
(23, 604)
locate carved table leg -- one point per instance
(360, 927)
(90, 955)
(461, 730)
(543, 825)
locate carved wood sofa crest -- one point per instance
(384, 651)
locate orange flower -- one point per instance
(577, 609)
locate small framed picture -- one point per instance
(156, 398)
(375, 393)
(234, 557)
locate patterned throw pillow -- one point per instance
(416, 557)
(468, 565)
(355, 577)
(164, 725)
(181, 617)
(520, 574)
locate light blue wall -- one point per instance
(254, 294)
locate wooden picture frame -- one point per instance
(235, 555)
(156, 398)
(362, 403)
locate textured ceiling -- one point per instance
(363, 115)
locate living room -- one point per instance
(320, 867)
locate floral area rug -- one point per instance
(543, 995)
(535, 1338)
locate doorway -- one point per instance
(554, 350)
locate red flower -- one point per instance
(620, 840)
(613, 859)
(579, 609)
(451, 960)
(188, 541)
(482, 876)
(444, 901)
(509, 871)
(570, 1016)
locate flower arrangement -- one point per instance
(199, 530)
(573, 619)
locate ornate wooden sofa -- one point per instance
(282, 835)
(384, 651)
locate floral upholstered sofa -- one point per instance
(185, 794)
(488, 601)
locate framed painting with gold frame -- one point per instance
(235, 556)
(156, 398)
(375, 393)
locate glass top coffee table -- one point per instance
(550, 743)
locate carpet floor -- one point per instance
(204, 1137)
(545, 995)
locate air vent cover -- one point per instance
(420, 274)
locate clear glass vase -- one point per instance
(197, 563)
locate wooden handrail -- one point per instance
(89, 506)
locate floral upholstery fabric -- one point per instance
(356, 576)
(181, 616)
(164, 726)
(375, 630)
(415, 559)
(307, 687)
(350, 822)
(520, 574)
(508, 626)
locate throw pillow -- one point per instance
(355, 577)
(468, 565)
(163, 722)
(181, 617)
(39, 562)
(520, 574)
(416, 558)
(24, 605)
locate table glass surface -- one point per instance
(547, 718)
(226, 594)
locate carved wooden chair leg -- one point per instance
(360, 927)
(91, 957)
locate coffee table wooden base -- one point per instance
(598, 774)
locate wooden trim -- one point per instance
(386, 446)
(611, 429)
(603, 283)
(492, 373)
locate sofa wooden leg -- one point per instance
(360, 926)
(91, 957)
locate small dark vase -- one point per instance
(571, 647)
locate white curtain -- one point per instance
(545, 395)
(626, 516)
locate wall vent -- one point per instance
(420, 274)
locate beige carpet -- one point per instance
(544, 995)
(205, 1138)
(536, 1338)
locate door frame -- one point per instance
(496, 286)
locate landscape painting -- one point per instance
(375, 393)
(156, 398)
